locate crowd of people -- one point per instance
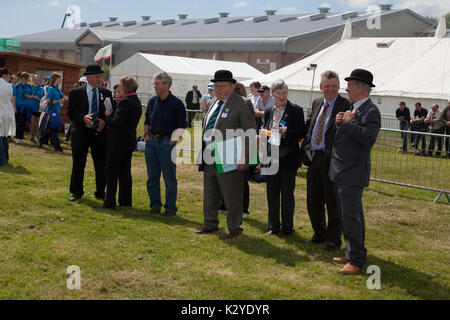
(337, 140)
(434, 121)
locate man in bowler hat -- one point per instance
(227, 111)
(357, 132)
(87, 113)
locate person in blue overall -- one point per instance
(54, 100)
(23, 94)
(38, 93)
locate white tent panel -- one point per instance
(185, 72)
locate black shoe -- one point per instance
(272, 232)
(155, 211)
(108, 207)
(332, 247)
(232, 235)
(206, 230)
(169, 213)
(313, 240)
(288, 233)
(99, 196)
(74, 198)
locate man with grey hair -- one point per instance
(357, 131)
(320, 190)
(437, 126)
(164, 117)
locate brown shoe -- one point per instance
(206, 230)
(350, 270)
(341, 260)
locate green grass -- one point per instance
(127, 254)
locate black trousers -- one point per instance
(118, 167)
(447, 141)
(320, 192)
(281, 183)
(353, 223)
(191, 115)
(433, 142)
(21, 122)
(79, 157)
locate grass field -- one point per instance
(127, 254)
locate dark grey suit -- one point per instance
(320, 189)
(350, 172)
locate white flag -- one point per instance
(103, 54)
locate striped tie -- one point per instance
(352, 107)
(94, 108)
(213, 118)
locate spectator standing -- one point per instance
(404, 117)
(265, 102)
(254, 94)
(446, 120)
(418, 124)
(121, 142)
(7, 120)
(434, 119)
(23, 94)
(87, 113)
(38, 93)
(320, 189)
(207, 97)
(193, 103)
(165, 114)
(288, 120)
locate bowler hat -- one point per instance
(361, 75)
(93, 69)
(223, 75)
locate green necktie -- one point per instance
(213, 118)
(352, 107)
(94, 109)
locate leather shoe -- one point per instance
(340, 260)
(206, 230)
(350, 270)
(74, 198)
(169, 213)
(155, 211)
(233, 235)
(108, 207)
(99, 197)
(332, 247)
(288, 233)
(272, 233)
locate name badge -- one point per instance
(225, 113)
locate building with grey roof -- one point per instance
(267, 42)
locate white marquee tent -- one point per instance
(408, 69)
(185, 72)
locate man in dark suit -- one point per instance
(87, 113)
(227, 111)
(121, 143)
(320, 191)
(193, 103)
(357, 132)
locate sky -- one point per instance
(30, 16)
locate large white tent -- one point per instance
(408, 69)
(185, 72)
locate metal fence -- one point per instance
(414, 166)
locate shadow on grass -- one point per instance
(140, 214)
(20, 170)
(416, 283)
(260, 247)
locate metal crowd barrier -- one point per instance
(412, 167)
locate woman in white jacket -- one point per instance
(7, 119)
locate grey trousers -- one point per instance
(353, 224)
(230, 186)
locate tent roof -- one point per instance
(409, 67)
(193, 66)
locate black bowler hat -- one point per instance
(361, 75)
(93, 69)
(223, 75)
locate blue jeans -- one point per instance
(4, 146)
(404, 126)
(158, 159)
